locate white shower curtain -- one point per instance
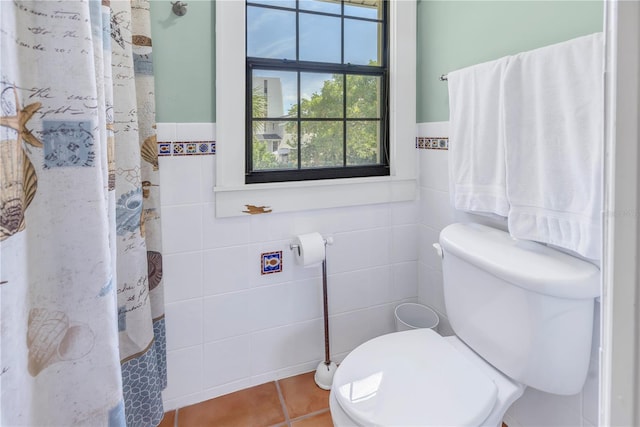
(81, 296)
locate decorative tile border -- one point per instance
(271, 262)
(186, 148)
(432, 143)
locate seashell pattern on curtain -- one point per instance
(81, 291)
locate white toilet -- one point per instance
(523, 316)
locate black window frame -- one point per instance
(345, 171)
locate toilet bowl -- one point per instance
(523, 317)
(419, 378)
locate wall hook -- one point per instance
(179, 8)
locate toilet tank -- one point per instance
(525, 308)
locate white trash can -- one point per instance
(410, 315)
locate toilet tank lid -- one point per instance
(526, 264)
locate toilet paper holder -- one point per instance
(326, 368)
(327, 241)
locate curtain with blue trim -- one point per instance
(81, 294)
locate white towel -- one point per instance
(476, 150)
(553, 115)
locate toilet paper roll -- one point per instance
(310, 249)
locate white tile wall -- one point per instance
(230, 327)
(223, 233)
(181, 228)
(226, 270)
(404, 243)
(278, 348)
(405, 213)
(356, 290)
(183, 169)
(226, 316)
(539, 409)
(403, 275)
(184, 271)
(355, 327)
(227, 361)
(590, 391)
(184, 323)
(359, 250)
(185, 367)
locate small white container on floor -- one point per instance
(411, 315)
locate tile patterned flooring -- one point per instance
(290, 402)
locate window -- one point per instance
(231, 191)
(317, 85)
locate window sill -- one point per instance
(306, 195)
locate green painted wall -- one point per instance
(451, 34)
(455, 34)
(184, 61)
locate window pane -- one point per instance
(363, 96)
(361, 42)
(371, 9)
(363, 143)
(319, 38)
(273, 144)
(322, 144)
(271, 33)
(321, 95)
(279, 3)
(321, 6)
(313, 117)
(275, 93)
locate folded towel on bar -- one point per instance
(553, 133)
(476, 150)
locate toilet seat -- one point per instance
(413, 378)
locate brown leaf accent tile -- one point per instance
(253, 407)
(257, 210)
(302, 396)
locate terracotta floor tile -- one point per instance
(169, 419)
(253, 407)
(320, 420)
(302, 396)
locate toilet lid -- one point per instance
(412, 378)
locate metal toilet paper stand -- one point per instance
(326, 369)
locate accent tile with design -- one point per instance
(164, 149)
(178, 148)
(186, 148)
(432, 143)
(271, 262)
(191, 148)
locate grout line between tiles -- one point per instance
(175, 419)
(311, 414)
(284, 406)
